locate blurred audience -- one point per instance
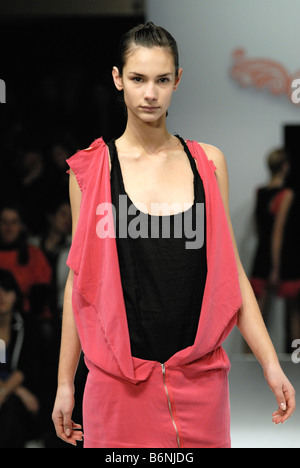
(55, 244)
(20, 379)
(27, 262)
(33, 188)
(61, 148)
(47, 118)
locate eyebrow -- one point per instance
(143, 76)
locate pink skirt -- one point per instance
(174, 408)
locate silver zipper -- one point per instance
(169, 404)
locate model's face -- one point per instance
(148, 80)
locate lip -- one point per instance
(149, 109)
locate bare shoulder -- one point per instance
(288, 198)
(215, 155)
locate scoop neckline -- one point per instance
(149, 215)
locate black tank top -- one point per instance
(163, 280)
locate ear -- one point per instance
(178, 79)
(117, 79)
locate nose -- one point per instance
(151, 92)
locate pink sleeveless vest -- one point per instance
(130, 402)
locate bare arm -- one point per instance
(70, 344)
(250, 321)
(70, 347)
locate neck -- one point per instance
(149, 137)
(277, 181)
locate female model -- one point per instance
(150, 305)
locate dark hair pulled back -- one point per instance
(148, 35)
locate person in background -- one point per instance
(270, 200)
(62, 147)
(33, 188)
(55, 244)
(27, 262)
(19, 374)
(276, 271)
(287, 264)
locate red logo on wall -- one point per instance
(265, 74)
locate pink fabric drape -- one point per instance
(127, 400)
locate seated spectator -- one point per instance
(19, 374)
(33, 188)
(55, 244)
(27, 262)
(61, 149)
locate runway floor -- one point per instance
(252, 405)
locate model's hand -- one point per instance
(283, 391)
(65, 428)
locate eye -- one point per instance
(164, 80)
(137, 79)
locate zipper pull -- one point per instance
(163, 369)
